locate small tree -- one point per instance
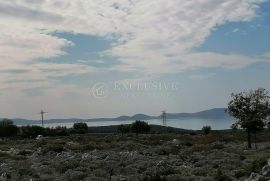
(251, 110)
(80, 127)
(123, 129)
(7, 128)
(206, 130)
(140, 127)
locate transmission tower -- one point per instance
(42, 117)
(164, 118)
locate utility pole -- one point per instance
(42, 117)
(164, 118)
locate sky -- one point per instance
(90, 59)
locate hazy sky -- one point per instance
(103, 58)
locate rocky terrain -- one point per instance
(98, 157)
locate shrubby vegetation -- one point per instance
(32, 131)
(217, 156)
(7, 128)
(123, 129)
(80, 128)
(140, 127)
(136, 127)
(206, 130)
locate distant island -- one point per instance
(216, 113)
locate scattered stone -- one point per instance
(14, 151)
(254, 177)
(122, 178)
(175, 141)
(39, 137)
(266, 171)
(268, 161)
(65, 155)
(264, 176)
(162, 163)
(85, 156)
(72, 175)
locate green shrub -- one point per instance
(167, 149)
(32, 131)
(218, 146)
(8, 129)
(63, 166)
(242, 157)
(58, 131)
(80, 128)
(61, 131)
(82, 147)
(240, 173)
(155, 178)
(167, 171)
(123, 128)
(188, 144)
(200, 171)
(256, 165)
(220, 176)
(206, 130)
(140, 127)
(53, 146)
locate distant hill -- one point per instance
(142, 117)
(216, 113)
(135, 117)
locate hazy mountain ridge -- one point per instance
(216, 113)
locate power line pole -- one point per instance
(164, 118)
(42, 117)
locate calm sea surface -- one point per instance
(177, 123)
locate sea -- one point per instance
(185, 123)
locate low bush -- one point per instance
(220, 176)
(63, 166)
(8, 129)
(32, 131)
(58, 131)
(206, 130)
(140, 127)
(256, 165)
(218, 146)
(240, 173)
(123, 129)
(53, 146)
(80, 128)
(155, 178)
